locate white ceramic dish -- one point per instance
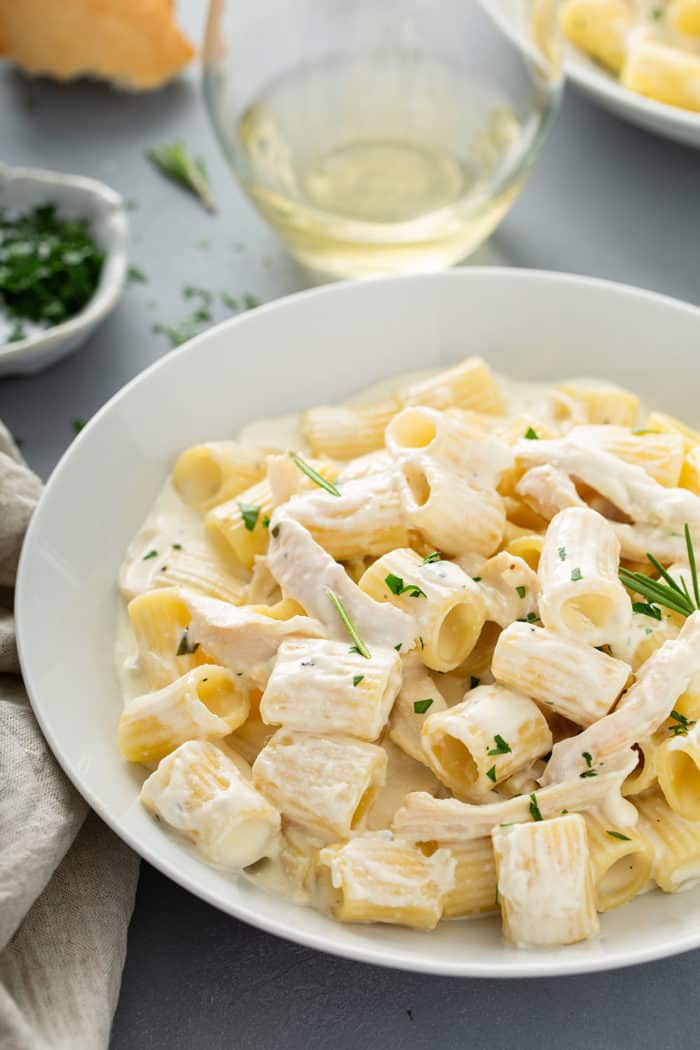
(76, 197)
(317, 346)
(671, 122)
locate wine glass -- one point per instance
(381, 136)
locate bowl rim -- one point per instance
(595, 80)
(547, 965)
(113, 275)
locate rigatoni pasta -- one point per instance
(430, 626)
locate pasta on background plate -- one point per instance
(434, 655)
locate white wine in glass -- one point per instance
(390, 137)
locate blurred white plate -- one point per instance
(671, 122)
(77, 198)
(318, 346)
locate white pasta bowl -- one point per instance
(318, 346)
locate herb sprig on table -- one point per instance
(175, 162)
(49, 266)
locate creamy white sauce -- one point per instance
(171, 521)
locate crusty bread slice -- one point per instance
(133, 42)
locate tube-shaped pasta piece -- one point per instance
(241, 524)
(470, 384)
(417, 697)
(685, 16)
(678, 768)
(474, 891)
(643, 775)
(661, 423)
(327, 783)
(250, 738)
(155, 560)
(446, 603)
(423, 818)
(510, 589)
(643, 637)
(620, 861)
(664, 73)
(448, 512)
(347, 431)
(160, 620)
(605, 404)
(641, 710)
(545, 882)
(199, 791)
(525, 545)
(571, 678)
(377, 878)
(322, 687)
(598, 27)
(243, 637)
(207, 703)
(493, 733)
(447, 438)
(674, 841)
(582, 596)
(209, 474)
(547, 490)
(367, 519)
(661, 455)
(307, 573)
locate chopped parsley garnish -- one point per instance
(666, 591)
(476, 579)
(266, 521)
(250, 301)
(561, 551)
(491, 773)
(502, 746)
(49, 266)
(250, 514)
(521, 591)
(77, 425)
(681, 724)
(176, 163)
(576, 575)
(357, 679)
(398, 647)
(409, 1013)
(177, 546)
(655, 15)
(314, 475)
(618, 835)
(348, 624)
(397, 586)
(150, 554)
(421, 706)
(430, 558)
(531, 434)
(473, 681)
(187, 328)
(136, 275)
(588, 773)
(194, 291)
(275, 531)
(229, 301)
(534, 808)
(587, 758)
(647, 610)
(184, 648)
(421, 642)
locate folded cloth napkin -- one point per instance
(67, 883)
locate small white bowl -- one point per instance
(78, 198)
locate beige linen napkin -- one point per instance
(66, 882)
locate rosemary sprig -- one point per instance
(666, 591)
(317, 478)
(348, 624)
(175, 162)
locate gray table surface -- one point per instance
(606, 200)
